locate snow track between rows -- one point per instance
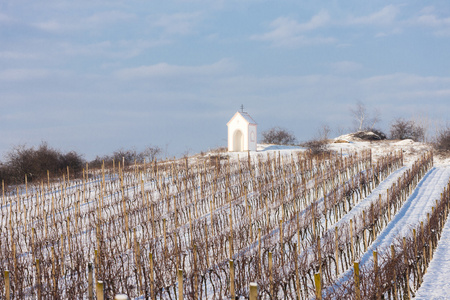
(436, 284)
(414, 210)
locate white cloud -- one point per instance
(92, 22)
(109, 17)
(16, 55)
(5, 18)
(345, 67)
(288, 32)
(122, 49)
(23, 74)
(429, 18)
(179, 23)
(166, 70)
(384, 17)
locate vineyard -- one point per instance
(297, 225)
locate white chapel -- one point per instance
(242, 132)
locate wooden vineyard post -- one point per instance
(388, 205)
(232, 291)
(206, 246)
(250, 222)
(364, 231)
(124, 209)
(430, 241)
(395, 273)
(180, 284)
(336, 251)
(152, 296)
(137, 255)
(424, 252)
(419, 271)
(7, 285)
(271, 274)
(253, 291)
(231, 236)
(373, 222)
(211, 215)
(375, 269)
(33, 237)
(318, 284)
(352, 249)
(319, 255)
(96, 262)
(297, 275)
(165, 238)
(54, 271)
(259, 250)
(100, 290)
(153, 220)
(281, 241)
(194, 252)
(407, 269)
(357, 287)
(38, 280)
(90, 281)
(176, 249)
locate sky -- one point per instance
(100, 75)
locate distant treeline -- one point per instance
(34, 162)
(127, 157)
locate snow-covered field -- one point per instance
(198, 204)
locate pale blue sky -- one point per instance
(99, 75)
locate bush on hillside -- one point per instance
(316, 146)
(34, 163)
(443, 140)
(407, 129)
(380, 133)
(278, 136)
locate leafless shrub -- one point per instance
(278, 136)
(150, 153)
(442, 142)
(127, 157)
(34, 163)
(316, 146)
(407, 129)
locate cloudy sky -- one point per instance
(98, 75)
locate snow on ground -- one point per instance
(413, 211)
(348, 144)
(411, 150)
(436, 283)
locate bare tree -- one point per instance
(364, 120)
(324, 132)
(151, 152)
(423, 121)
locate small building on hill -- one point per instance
(242, 132)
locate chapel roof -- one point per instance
(247, 117)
